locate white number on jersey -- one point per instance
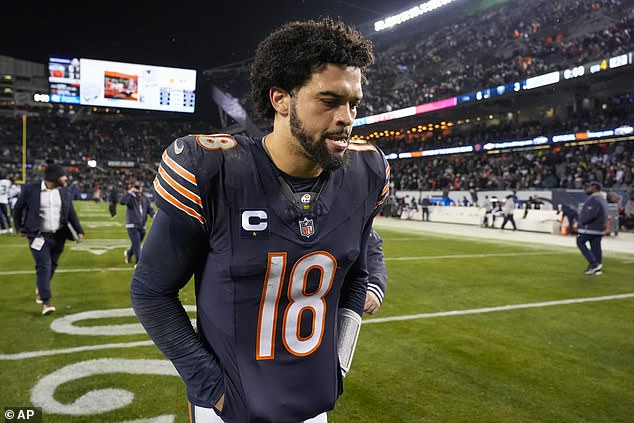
(299, 302)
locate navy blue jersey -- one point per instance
(273, 271)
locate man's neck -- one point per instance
(50, 185)
(287, 154)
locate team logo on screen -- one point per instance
(306, 227)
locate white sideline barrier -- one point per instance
(536, 221)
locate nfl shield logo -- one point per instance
(306, 227)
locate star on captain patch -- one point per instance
(306, 227)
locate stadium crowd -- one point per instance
(480, 51)
(506, 44)
(616, 111)
(125, 150)
(612, 165)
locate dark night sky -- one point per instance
(193, 34)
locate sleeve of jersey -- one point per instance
(176, 187)
(377, 282)
(385, 188)
(356, 284)
(172, 252)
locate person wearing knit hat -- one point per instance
(53, 173)
(44, 214)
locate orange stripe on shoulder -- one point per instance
(178, 168)
(176, 203)
(178, 187)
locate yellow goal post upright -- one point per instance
(23, 180)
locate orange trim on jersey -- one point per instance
(178, 187)
(176, 203)
(178, 168)
(386, 189)
(384, 195)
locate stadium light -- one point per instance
(92, 163)
(409, 14)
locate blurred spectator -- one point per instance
(628, 212)
(509, 209)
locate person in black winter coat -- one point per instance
(138, 209)
(44, 214)
(591, 225)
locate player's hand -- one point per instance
(80, 237)
(372, 303)
(220, 403)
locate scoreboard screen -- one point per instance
(103, 83)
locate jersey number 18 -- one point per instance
(300, 302)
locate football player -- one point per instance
(5, 221)
(275, 232)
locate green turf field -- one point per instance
(549, 362)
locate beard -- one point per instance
(317, 151)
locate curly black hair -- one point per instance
(289, 55)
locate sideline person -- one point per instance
(508, 209)
(44, 213)
(138, 208)
(591, 226)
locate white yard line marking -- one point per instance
(93, 269)
(499, 308)
(32, 354)
(458, 256)
(455, 256)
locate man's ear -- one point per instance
(280, 100)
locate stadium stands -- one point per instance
(125, 148)
(571, 167)
(415, 64)
(505, 44)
